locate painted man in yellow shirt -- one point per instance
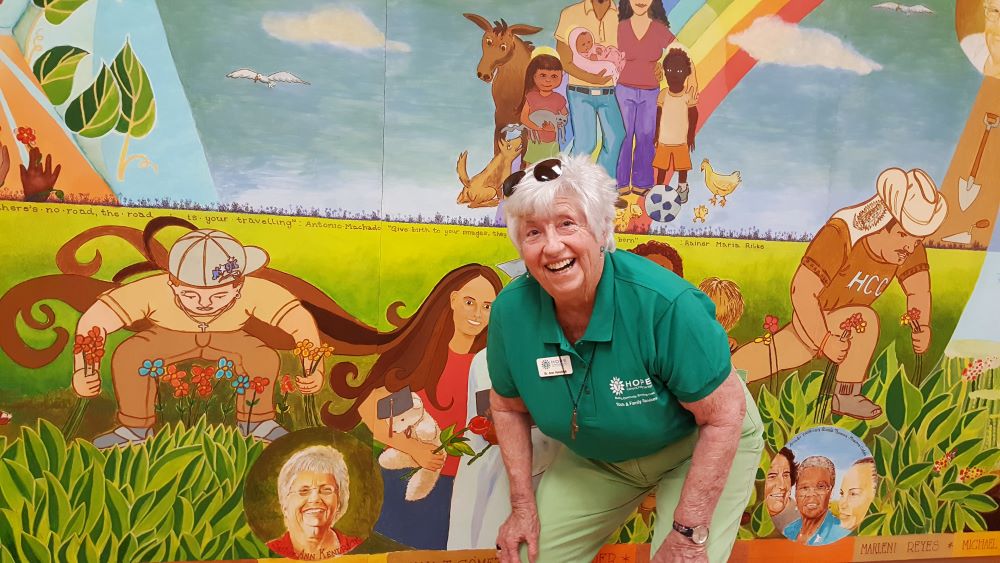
(199, 308)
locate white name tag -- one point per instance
(554, 365)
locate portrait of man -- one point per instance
(983, 48)
(857, 491)
(816, 525)
(313, 492)
(778, 489)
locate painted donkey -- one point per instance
(504, 62)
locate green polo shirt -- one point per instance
(652, 342)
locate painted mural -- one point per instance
(252, 247)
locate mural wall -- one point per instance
(252, 247)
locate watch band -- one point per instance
(683, 530)
(698, 534)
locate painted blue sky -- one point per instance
(807, 140)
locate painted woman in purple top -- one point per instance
(643, 35)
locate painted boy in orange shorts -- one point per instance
(676, 117)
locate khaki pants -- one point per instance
(794, 348)
(137, 394)
(581, 502)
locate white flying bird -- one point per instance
(897, 7)
(270, 80)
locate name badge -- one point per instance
(554, 365)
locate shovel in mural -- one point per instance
(968, 189)
(965, 237)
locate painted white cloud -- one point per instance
(770, 39)
(346, 28)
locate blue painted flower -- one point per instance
(152, 368)
(242, 383)
(224, 369)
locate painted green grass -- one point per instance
(365, 266)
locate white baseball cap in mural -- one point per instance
(913, 200)
(209, 258)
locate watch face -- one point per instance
(700, 534)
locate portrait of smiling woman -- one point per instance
(313, 492)
(623, 362)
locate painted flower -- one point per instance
(241, 384)
(204, 389)
(771, 324)
(905, 319)
(26, 135)
(182, 389)
(969, 474)
(325, 350)
(260, 384)
(170, 373)
(287, 384)
(302, 348)
(224, 369)
(152, 368)
(914, 314)
(200, 375)
(479, 425)
(765, 338)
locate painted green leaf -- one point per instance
(974, 520)
(16, 482)
(979, 503)
(913, 475)
(987, 460)
(7, 556)
(929, 384)
(465, 448)
(55, 445)
(56, 11)
(986, 394)
(118, 511)
(33, 550)
(168, 466)
(77, 522)
(872, 524)
(58, 503)
(897, 522)
(139, 471)
(955, 491)
(941, 519)
(55, 69)
(760, 522)
(10, 527)
(35, 452)
(96, 110)
(972, 425)
(895, 408)
(227, 515)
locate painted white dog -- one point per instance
(417, 424)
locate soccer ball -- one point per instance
(662, 203)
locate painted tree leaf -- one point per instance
(941, 519)
(979, 503)
(973, 519)
(56, 11)
(913, 475)
(138, 111)
(16, 482)
(96, 110)
(58, 503)
(10, 527)
(35, 452)
(465, 448)
(760, 522)
(955, 491)
(872, 524)
(986, 459)
(55, 69)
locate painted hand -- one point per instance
(86, 384)
(520, 527)
(679, 549)
(311, 384)
(426, 457)
(38, 181)
(921, 340)
(836, 349)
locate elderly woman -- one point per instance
(313, 491)
(624, 363)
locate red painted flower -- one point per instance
(771, 323)
(205, 389)
(479, 425)
(181, 389)
(259, 384)
(201, 375)
(914, 314)
(287, 384)
(26, 135)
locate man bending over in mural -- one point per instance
(198, 310)
(847, 266)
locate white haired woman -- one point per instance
(313, 491)
(624, 363)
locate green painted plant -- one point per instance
(930, 452)
(179, 496)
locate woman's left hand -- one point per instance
(679, 549)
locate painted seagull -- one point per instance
(897, 7)
(270, 80)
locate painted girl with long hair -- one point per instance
(429, 356)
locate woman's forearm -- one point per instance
(514, 437)
(720, 420)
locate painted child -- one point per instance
(544, 74)
(676, 119)
(594, 57)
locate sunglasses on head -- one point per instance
(544, 171)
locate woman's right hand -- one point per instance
(425, 456)
(86, 384)
(521, 526)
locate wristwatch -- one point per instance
(698, 534)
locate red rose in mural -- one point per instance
(479, 425)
